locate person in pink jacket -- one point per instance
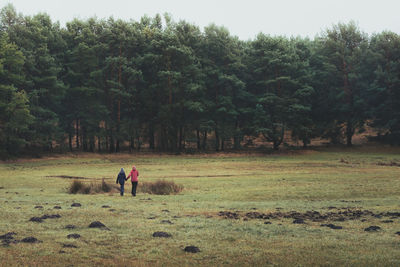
(134, 179)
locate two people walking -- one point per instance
(121, 178)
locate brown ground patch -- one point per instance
(314, 216)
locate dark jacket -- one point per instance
(121, 177)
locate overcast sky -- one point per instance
(245, 18)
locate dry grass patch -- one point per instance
(78, 187)
(160, 187)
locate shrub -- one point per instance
(92, 188)
(160, 187)
(75, 187)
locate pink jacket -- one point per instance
(133, 174)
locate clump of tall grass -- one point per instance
(78, 187)
(160, 187)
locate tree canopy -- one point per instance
(112, 85)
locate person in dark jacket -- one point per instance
(121, 178)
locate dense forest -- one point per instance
(112, 85)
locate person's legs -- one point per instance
(134, 186)
(122, 190)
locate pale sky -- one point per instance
(244, 19)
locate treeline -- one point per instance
(107, 85)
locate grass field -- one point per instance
(223, 210)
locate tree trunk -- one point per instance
(70, 142)
(216, 140)
(198, 139)
(98, 144)
(151, 137)
(204, 146)
(236, 138)
(112, 148)
(77, 133)
(349, 133)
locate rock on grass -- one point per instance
(192, 249)
(161, 234)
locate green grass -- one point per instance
(302, 181)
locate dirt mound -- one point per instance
(52, 216)
(392, 163)
(36, 219)
(75, 236)
(229, 215)
(76, 205)
(69, 246)
(191, 249)
(98, 224)
(332, 226)
(30, 239)
(161, 234)
(8, 238)
(44, 217)
(372, 228)
(342, 214)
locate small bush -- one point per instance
(160, 187)
(92, 188)
(75, 187)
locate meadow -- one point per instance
(238, 209)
